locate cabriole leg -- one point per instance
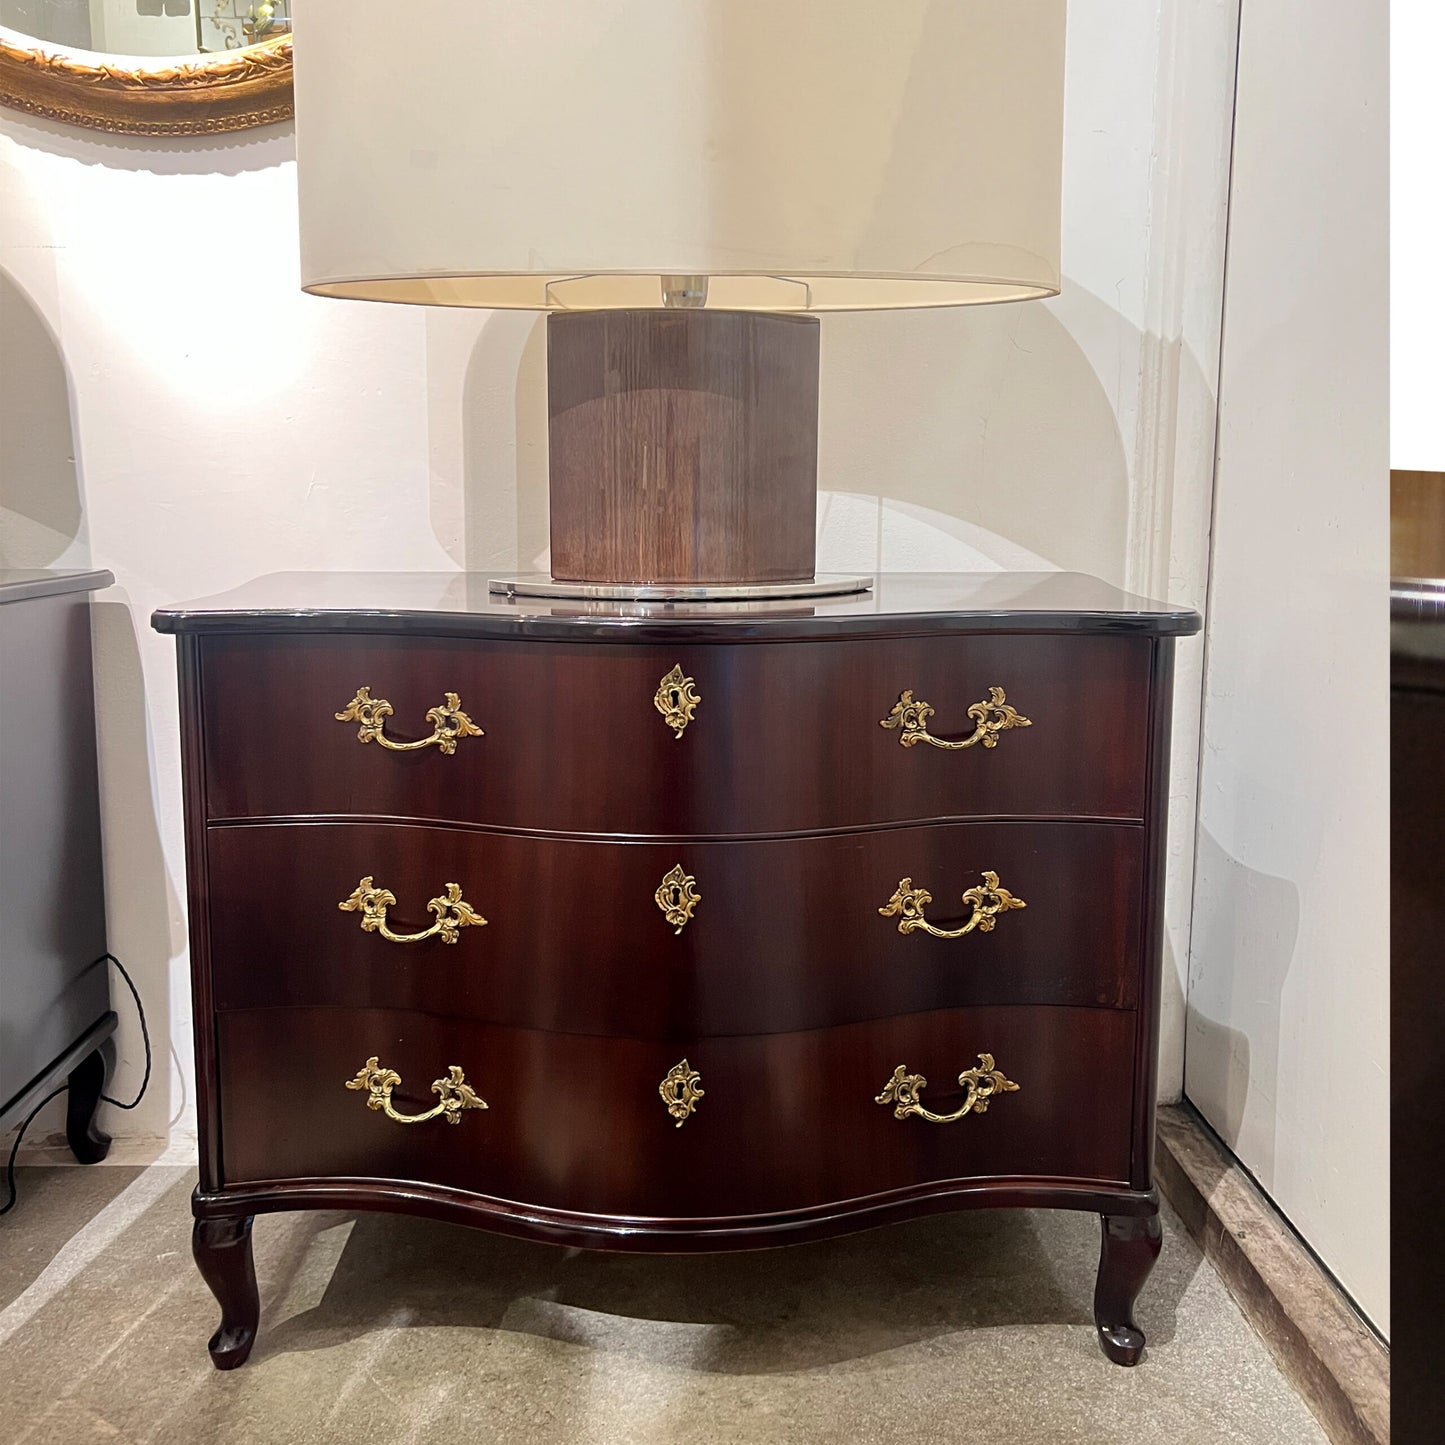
(86, 1080)
(1129, 1246)
(222, 1248)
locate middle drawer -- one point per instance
(663, 940)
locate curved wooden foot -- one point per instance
(222, 1248)
(1129, 1246)
(87, 1079)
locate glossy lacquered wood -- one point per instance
(787, 1121)
(667, 1234)
(1417, 1001)
(787, 935)
(1129, 1245)
(786, 738)
(780, 1005)
(222, 1251)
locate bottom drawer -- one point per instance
(576, 1122)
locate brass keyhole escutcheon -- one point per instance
(678, 897)
(681, 1088)
(677, 700)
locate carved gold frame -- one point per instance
(206, 96)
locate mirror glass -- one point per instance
(149, 27)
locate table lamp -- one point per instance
(758, 873)
(683, 185)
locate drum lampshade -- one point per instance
(766, 155)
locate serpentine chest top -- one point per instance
(649, 927)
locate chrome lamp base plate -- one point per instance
(539, 584)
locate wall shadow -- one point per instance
(804, 1307)
(504, 445)
(143, 914)
(992, 415)
(42, 514)
(1250, 948)
(233, 153)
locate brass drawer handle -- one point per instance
(991, 717)
(982, 1083)
(989, 900)
(453, 913)
(449, 723)
(453, 1093)
(677, 700)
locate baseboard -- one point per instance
(1324, 1348)
(53, 1150)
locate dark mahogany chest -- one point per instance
(631, 926)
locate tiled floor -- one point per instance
(378, 1329)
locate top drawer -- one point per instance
(784, 737)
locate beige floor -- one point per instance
(376, 1329)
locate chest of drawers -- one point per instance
(647, 928)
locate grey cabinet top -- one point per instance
(17, 584)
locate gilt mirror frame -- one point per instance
(230, 90)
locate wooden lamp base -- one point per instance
(683, 453)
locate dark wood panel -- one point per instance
(787, 1121)
(682, 446)
(787, 935)
(1156, 859)
(655, 1235)
(1417, 1000)
(198, 909)
(786, 737)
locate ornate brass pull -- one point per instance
(989, 900)
(991, 717)
(680, 1090)
(677, 700)
(453, 1093)
(448, 722)
(982, 1083)
(677, 897)
(452, 911)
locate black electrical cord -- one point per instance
(55, 1093)
(145, 1034)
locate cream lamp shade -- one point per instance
(744, 155)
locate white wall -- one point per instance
(1417, 222)
(1287, 1048)
(189, 420)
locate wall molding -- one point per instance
(1317, 1337)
